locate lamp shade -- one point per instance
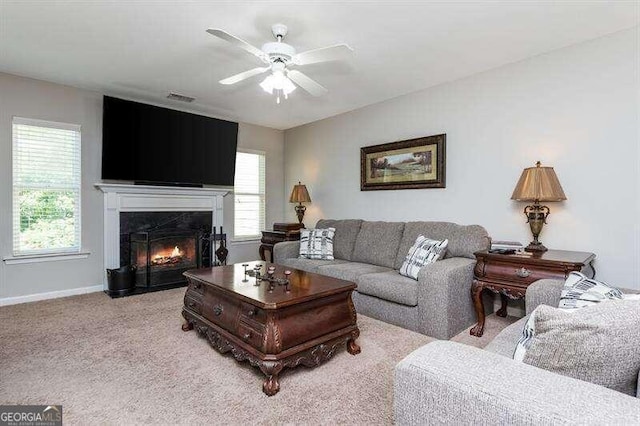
(538, 184)
(299, 194)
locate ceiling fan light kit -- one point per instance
(279, 56)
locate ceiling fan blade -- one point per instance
(330, 53)
(238, 42)
(244, 75)
(306, 83)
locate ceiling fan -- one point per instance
(279, 58)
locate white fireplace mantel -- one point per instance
(120, 198)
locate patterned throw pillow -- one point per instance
(578, 292)
(423, 252)
(317, 243)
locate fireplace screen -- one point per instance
(162, 256)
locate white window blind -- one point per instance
(46, 187)
(249, 195)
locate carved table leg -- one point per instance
(352, 347)
(271, 385)
(261, 251)
(476, 294)
(187, 326)
(502, 312)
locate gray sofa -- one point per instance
(452, 383)
(438, 304)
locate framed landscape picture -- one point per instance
(411, 164)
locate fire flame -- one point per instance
(167, 257)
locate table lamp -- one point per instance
(537, 184)
(300, 195)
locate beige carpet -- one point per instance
(126, 361)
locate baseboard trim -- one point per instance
(6, 301)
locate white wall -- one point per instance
(37, 99)
(575, 109)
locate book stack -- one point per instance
(506, 246)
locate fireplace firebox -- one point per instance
(160, 257)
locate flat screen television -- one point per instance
(154, 145)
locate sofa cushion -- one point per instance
(345, 238)
(378, 243)
(389, 286)
(317, 243)
(309, 265)
(464, 240)
(597, 344)
(350, 271)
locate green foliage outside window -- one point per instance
(47, 219)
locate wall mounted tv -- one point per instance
(149, 144)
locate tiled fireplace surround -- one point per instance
(122, 198)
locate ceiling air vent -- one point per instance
(181, 98)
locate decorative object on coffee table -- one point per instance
(281, 232)
(510, 274)
(271, 316)
(410, 164)
(537, 184)
(300, 195)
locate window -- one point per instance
(249, 195)
(46, 187)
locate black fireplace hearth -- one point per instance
(161, 256)
(162, 245)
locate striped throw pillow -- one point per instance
(423, 252)
(317, 243)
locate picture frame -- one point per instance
(409, 164)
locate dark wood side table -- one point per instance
(510, 274)
(280, 232)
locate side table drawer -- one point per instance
(517, 273)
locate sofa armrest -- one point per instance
(444, 297)
(451, 383)
(543, 292)
(286, 250)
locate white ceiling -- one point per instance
(146, 49)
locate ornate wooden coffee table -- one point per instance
(272, 326)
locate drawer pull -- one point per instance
(246, 336)
(217, 310)
(191, 304)
(197, 286)
(523, 273)
(252, 312)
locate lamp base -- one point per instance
(300, 209)
(535, 247)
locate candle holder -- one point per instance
(245, 272)
(269, 277)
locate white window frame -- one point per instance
(52, 253)
(263, 201)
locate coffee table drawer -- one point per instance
(250, 335)
(220, 309)
(193, 303)
(195, 286)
